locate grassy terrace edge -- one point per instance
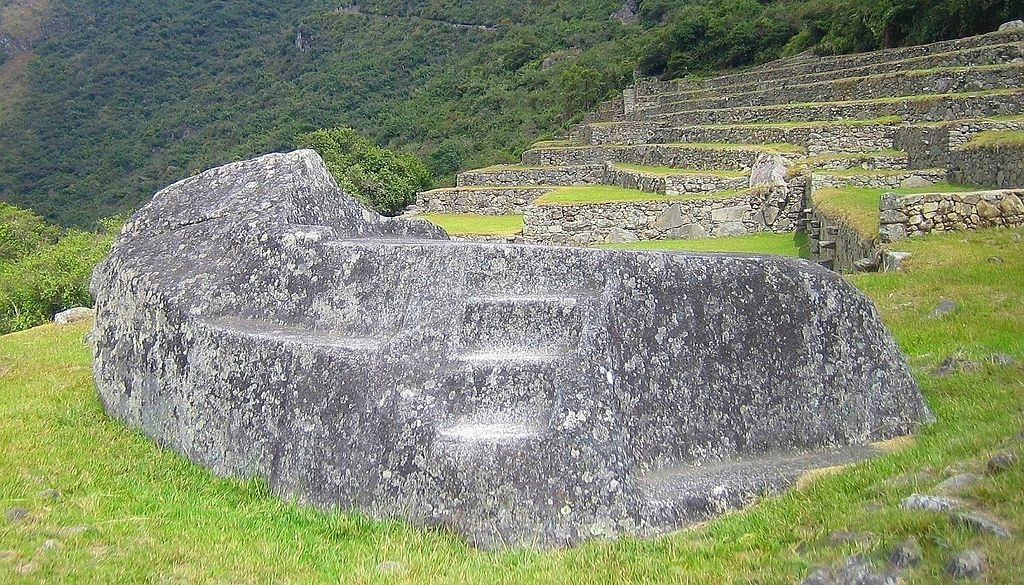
(130, 511)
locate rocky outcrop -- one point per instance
(913, 215)
(264, 324)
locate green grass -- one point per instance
(562, 142)
(599, 194)
(859, 206)
(995, 138)
(858, 172)
(151, 516)
(469, 224)
(763, 243)
(815, 124)
(662, 171)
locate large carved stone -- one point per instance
(263, 323)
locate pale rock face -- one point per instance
(264, 324)
(1012, 25)
(73, 315)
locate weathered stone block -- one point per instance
(264, 324)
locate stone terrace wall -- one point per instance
(671, 184)
(498, 201)
(817, 139)
(930, 109)
(890, 85)
(929, 146)
(914, 215)
(775, 209)
(823, 180)
(836, 244)
(1001, 167)
(1001, 53)
(512, 177)
(773, 72)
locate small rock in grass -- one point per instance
(16, 514)
(930, 503)
(954, 364)
(72, 530)
(50, 494)
(389, 567)
(957, 484)
(982, 523)
(49, 544)
(1002, 461)
(906, 554)
(74, 315)
(6, 555)
(840, 537)
(995, 260)
(818, 576)
(969, 564)
(1003, 360)
(857, 571)
(945, 307)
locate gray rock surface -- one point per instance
(1012, 25)
(969, 564)
(16, 514)
(930, 503)
(263, 323)
(893, 261)
(982, 522)
(73, 315)
(1001, 461)
(956, 484)
(945, 307)
(906, 554)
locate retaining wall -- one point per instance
(1000, 167)
(913, 215)
(775, 209)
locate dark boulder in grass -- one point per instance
(263, 323)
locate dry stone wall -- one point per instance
(515, 176)
(671, 184)
(775, 209)
(913, 215)
(497, 201)
(1001, 167)
(930, 145)
(916, 178)
(879, 86)
(930, 109)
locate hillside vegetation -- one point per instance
(131, 96)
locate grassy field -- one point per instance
(130, 512)
(763, 243)
(471, 224)
(859, 206)
(995, 138)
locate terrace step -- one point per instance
(910, 109)
(480, 200)
(512, 176)
(795, 67)
(542, 324)
(877, 179)
(883, 85)
(294, 335)
(877, 160)
(704, 157)
(672, 183)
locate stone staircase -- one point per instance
(882, 120)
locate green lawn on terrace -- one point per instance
(762, 243)
(471, 224)
(859, 206)
(148, 515)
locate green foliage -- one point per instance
(385, 180)
(44, 269)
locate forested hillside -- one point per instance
(109, 100)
